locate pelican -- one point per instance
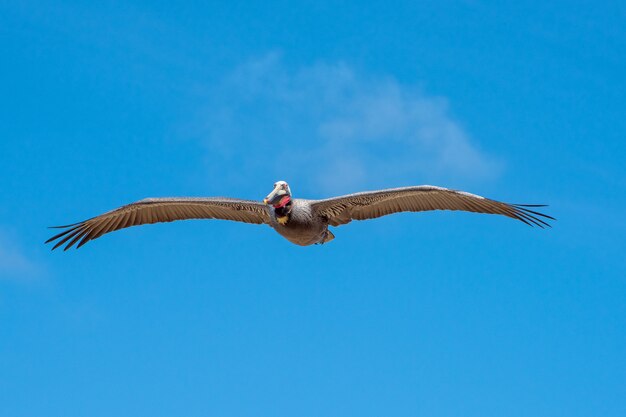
(303, 222)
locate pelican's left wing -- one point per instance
(155, 210)
(373, 204)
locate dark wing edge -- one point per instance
(372, 204)
(157, 210)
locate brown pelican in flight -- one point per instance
(303, 222)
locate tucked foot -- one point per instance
(328, 236)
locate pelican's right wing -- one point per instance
(155, 210)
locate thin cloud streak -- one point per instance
(14, 264)
(332, 128)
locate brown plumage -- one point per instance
(156, 210)
(303, 222)
(373, 204)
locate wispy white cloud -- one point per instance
(14, 264)
(330, 126)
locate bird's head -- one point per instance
(280, 196)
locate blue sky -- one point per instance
(415, 314)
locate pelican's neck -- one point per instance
(283, 212)
(286, 199)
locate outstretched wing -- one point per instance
(155, 210)
(373, 204)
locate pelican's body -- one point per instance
(303, 222)
(301, 226)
